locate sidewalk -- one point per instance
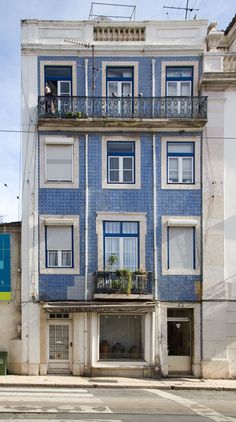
(116, 382)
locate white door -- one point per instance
(59, 347)
(179, 344)
(176, 107)
(121, 94)
(64, 94)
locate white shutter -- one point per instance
(59, 162)
(59, 238)
(181, 248)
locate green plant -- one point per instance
(78, 114)
(112, 260)
(127, 278)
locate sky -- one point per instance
(12, 11)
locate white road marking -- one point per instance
(68, 420)
(194, 406)
(30, 400)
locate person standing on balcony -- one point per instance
(49, 104)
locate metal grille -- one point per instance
(59, 342)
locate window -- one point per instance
(121, 337)
(121, 156)
(180, 162)
(121, 240)
(59, 163)
(120, 88)
(58, 80)
(181, 248)
(179, 81)
(59, 240)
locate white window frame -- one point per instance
(55, 63)
(120, 169)
(181, 221)
(59, 252)
(196, 140)
(122, 217)
(180, 63)
(106, 184)
(180, 158)
(59, 220)
(59, 141)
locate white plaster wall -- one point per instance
(30, 310)
(230, 193)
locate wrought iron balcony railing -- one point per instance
(123, 107)
(119, 282)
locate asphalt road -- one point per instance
(113, 405)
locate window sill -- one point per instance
(59, 270)
(121, 186)
(182, 186)
(166, 271)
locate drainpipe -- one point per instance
(86, 256)
(153, 86)
(86, 84)
(154, 215)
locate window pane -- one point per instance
(172, 89)
(112, 227)
(185, 89)
(119, 73)
(130, 253)
(52, 258)
(112, 89)
(127, 163)
(179, 72)
(114, 176)
(187, 164)
(130, 228)
(64, 88)
(128, 176)
(179, 338)
(181, 247)
(59, 162)
(180, 147)
(120, 147)
(173, 170)
(59, 238)
(114, 163)
(126, 89)
(66, 258)
(121, 337)
(112, 247)
(58, 72)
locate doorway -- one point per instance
(179, 333)
(59, 347)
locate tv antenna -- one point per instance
(96, 9)
(186, 8)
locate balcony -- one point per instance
(121, 284)
(126, 112)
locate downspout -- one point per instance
(86, 84)
(86, 233)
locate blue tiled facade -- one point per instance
(72, 201)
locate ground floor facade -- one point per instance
(139, 339)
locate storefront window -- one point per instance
(121, 337)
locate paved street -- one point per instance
(112, 405)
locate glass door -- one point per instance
(179, 333)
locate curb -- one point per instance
(121, 386)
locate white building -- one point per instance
(219, 204)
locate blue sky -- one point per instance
(12, 11)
